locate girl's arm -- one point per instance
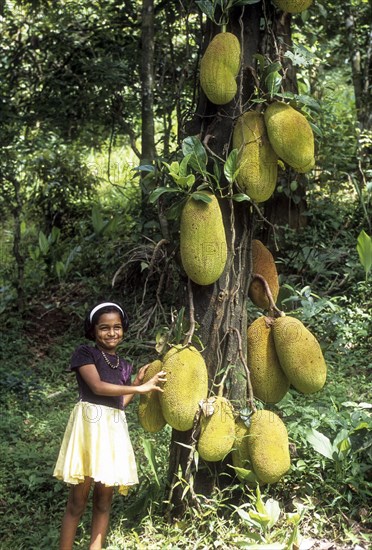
(90, 375)
(136, 382)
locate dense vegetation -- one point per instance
(77, 226)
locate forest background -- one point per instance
(95, 99)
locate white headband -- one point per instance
(104, 304)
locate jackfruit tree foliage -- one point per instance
(217, 430)
(269, 382)
(293, 6)
(219, 68)
(268, 446)
(263, 264)
(257, 160)
(300, 355)
(202, 240)
(291, 136)
(150, 415)
(186, 385)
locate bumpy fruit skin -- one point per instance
(150, 415)
(219, 68)
(300, 355)
(263, 264)
(186, 385)
(202, 240)
(257, 160)
(290, 135)
(293, 6)
(268, 446)
(217, 431)
(269, 382)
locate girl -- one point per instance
(96, 445)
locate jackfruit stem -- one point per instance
(190, 332)
(250, 400)
(269, 295)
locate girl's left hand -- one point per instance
(140, 375)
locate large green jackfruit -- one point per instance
(217, 430)
(219, 68)
(202, 240)
(257, 160)
(150, 415)
(300, 355)
(293, 6)
(263, 264)
(269, 382)
(290, 135)
(186, 385)
(268, 446)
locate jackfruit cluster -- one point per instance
(269, 383)
(186, 386)
(263, 264)
(203, 244)
(257, 160)
(219, 68)
(268, 446)
(300, 355)
(290, 135)
(217, 429)
(150, 415)
(293, 6)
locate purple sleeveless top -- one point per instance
(87, 355)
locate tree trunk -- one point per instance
(147, 79)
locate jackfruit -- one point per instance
(150, 415)
(186, 385)
(217, 429)
(257, 160)
(299, 354)
(293, 6)
(202, 240)
(263, 264)
(268, 446)
(269, 382)
(290, 135)
(219, 68)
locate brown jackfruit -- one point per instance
(217, 430)
(257, 160)
(269, 382)
(293, 6)
(268, 446)
(219, 68)
(263, 264)
(186, 385)
(202, 240)
(290, 135)
(150, 415)
(300, 354)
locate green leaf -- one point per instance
(150, 455)
(43, 243)
(185, 181)
(206, 7)
(364, 248)
(240, 197)
(273, 82)
(199, 196)
(245, 2)
(154, 195)
(198, 157)
(97, 220)
(230, 168)
(320, 443)
(272, 510)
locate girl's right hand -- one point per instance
(153, 383)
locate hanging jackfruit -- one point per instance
(263, 264)
(299, 354)
(293, 6)
(290, 135)
(269, 382)
(217, 429)
(150, 415)
(219, 68)
(186, 385)
(268, 446)
(202, 240)
(257, 160)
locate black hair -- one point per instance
(90, 324)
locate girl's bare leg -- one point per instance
(76, 503)
(102, 498)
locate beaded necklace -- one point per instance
(107, 360)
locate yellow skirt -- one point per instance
(96, 444)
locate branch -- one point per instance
(251, 403)
(268, 294)
(190, 332)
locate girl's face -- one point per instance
(108, 332)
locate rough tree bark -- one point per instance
(148, 151)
